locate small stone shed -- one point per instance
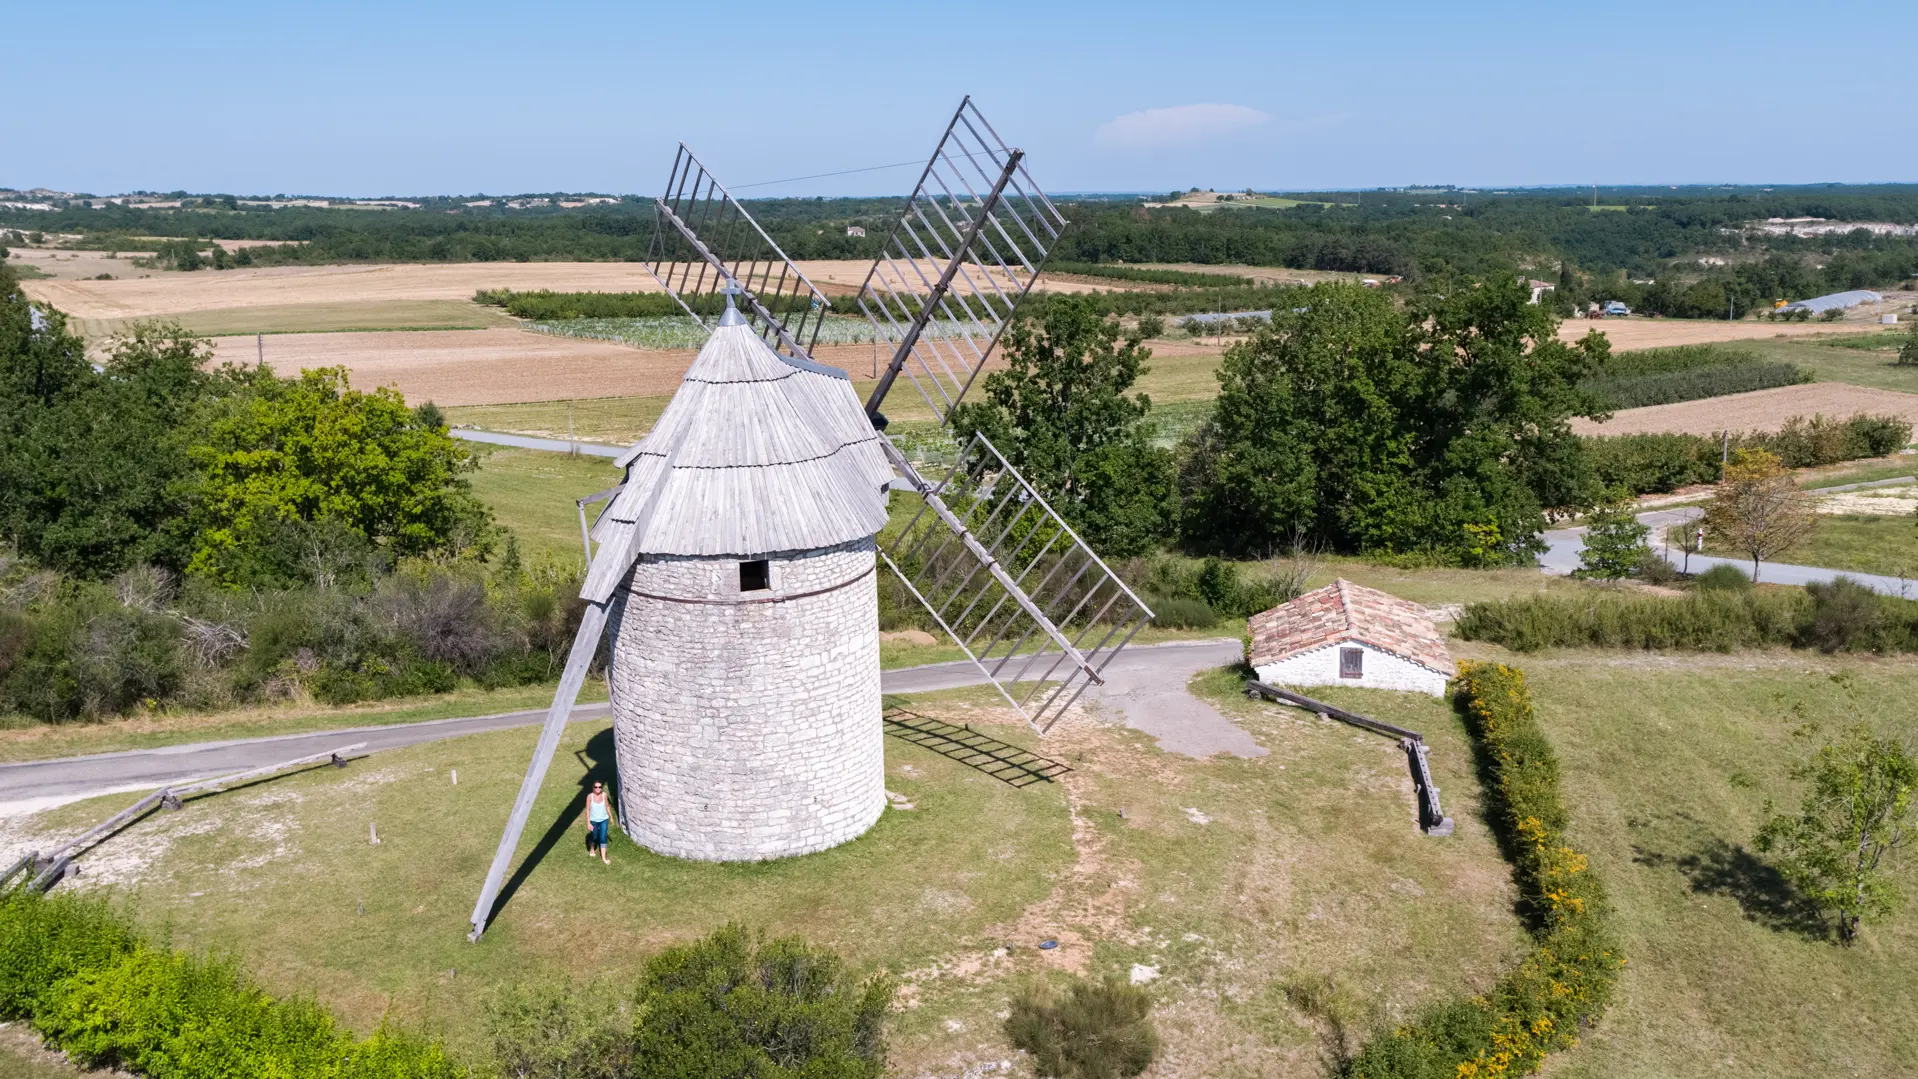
(1349, 635)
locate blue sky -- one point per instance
(351, 99)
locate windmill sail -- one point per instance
(1002, 573)
(1013, 585)
(966, 250)
(704, 241)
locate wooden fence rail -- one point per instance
(54, 864)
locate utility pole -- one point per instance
(259, 343)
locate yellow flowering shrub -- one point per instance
(1566, 980)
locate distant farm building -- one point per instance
(1837, 301)
(1349, 635)
(855, 230)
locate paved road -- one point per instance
(1565, 544)
(528, 442)
(35, 785)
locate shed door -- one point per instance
(1351, 663)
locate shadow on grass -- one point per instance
(598, 767)
(1717, 867)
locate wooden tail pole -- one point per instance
(585, 645)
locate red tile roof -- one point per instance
(1344, 611)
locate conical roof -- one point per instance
(755, 454)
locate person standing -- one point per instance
(599, 817)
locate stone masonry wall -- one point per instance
(749, 730)
(1383, 670)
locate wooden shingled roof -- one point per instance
(1343, 611)
(756, 454)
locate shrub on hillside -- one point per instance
(1848, 617)
(1095, 1030)
(91, 987)
(1723, 577)
(556, 1032)
(1840, 616)
(730, 1006)
(82, 650)
(1657, 463)
(1177, 612)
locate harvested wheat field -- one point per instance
(172, 293)
(1759, 410)
(490, 367)
(1629, 334)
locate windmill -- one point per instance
(736, 565)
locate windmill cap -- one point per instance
(731, 316)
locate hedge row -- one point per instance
(85, 979)
(545, 305)
(1842, 616)
(1154, 277)
(1696, 384)
(1657, 463)
(1567, 978)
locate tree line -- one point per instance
(1430, 235)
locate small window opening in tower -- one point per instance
(1351, 663)
(755, 576)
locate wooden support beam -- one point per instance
(1256, 688)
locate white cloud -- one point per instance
(1179, 125)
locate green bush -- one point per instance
(1848, 617)
(1723, 577)
(556, 1032)
(1566, 981)
(730, 1007)
(1097, 1030)
(91, 987)
(83, 650)
(1177, 612)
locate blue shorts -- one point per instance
(599, 833)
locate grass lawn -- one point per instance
(1863, 543)
(532, 493)
(1668, 762)
(1230, 877)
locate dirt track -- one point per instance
(1759, 410)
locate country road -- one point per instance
(34, 785)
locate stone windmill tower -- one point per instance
(745, 666)
(735, 568)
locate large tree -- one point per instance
(303, 476)
(95, 474)
(1444, 427)
(1061, 415)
